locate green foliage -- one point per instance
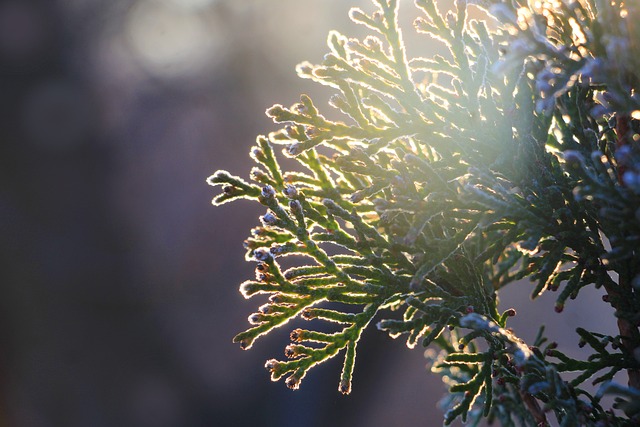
(514, 156)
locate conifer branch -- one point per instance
(513, 156)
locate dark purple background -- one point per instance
(119, 279)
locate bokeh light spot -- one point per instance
(172, 40)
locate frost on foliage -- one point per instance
(514, 155)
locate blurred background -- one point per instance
(119, 294)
